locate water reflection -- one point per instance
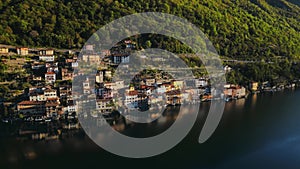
(253, 100)
(260, 132)
(126, 126)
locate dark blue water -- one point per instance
(262, 131)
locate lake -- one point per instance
(262, 131)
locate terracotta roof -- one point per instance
(173, 92)
(23, 48)
(52, 98)
(50, 73)
(143, 86)
(103, 100)
(132, 93)
(51, 104)
(69, 60)
(168, 85)
(26, 102)
(109, 83)
(50, 90)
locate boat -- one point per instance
(38, 119)
(48, 120)
(5, 120)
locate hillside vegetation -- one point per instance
(238, 28)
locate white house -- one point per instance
(161, 89)
(227, 68)
(108, 74)
(104, 105)
(93, 58)
(50, 77)
(47, 58)
(86, 87)
(50, 94)
(22, 51)
(46, 52)
(99, 77)
(46, 55)
(131, 98)
(37, 96)
(71, 106)
(119, 85)
(88, 48)
(74, 64)
(201, 82)
(150, 82)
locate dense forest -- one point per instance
(237, 28)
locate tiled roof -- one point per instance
(51, 104)
(173, 92)
(50, 73)
(50, 90)
(52, 98)
(103, 100)
(132, 93)
(26, 102)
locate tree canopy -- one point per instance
(238, 29)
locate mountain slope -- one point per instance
(238, 28)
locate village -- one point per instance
(50, 97)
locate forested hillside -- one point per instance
(238, 28)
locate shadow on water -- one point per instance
(261, 131)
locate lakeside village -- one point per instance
(49, 98)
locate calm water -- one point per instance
(262, 131)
